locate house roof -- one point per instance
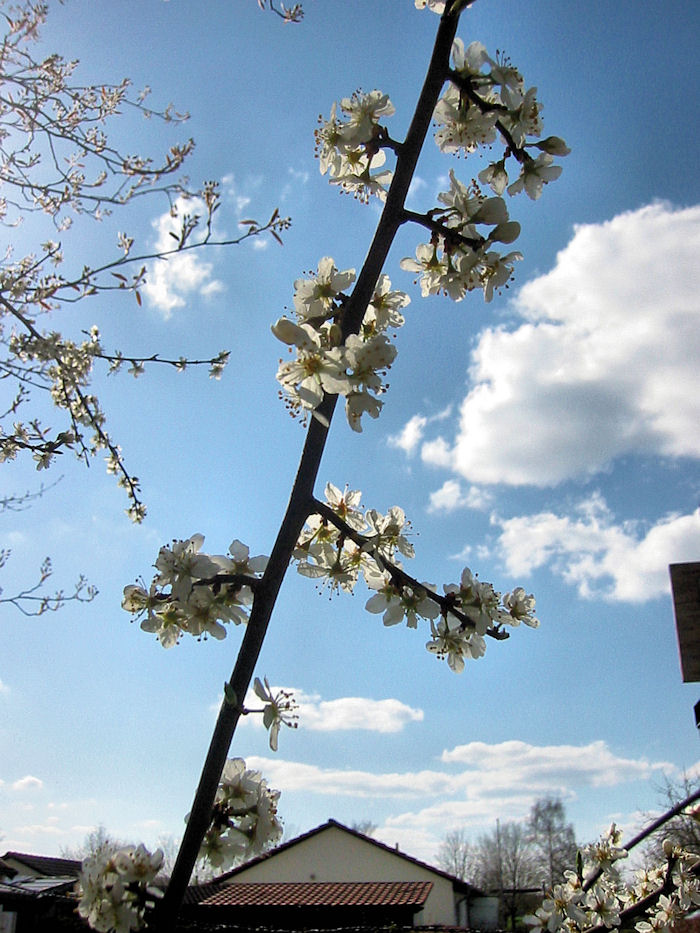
(36, 887)
(458, 884)
(45, 865)
(198, 893)
(321, 894)
(685, 585)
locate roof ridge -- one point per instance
(459, 882)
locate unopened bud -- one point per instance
(554, 145)
(505, 233)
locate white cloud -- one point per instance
(472, 786)
(29, 782)
(299, 177)
(518, 764)
(451, 496)
(40, 829)
(233, 195)
(489, 773)
(4, 689)
(174, 280)
(411, 434)
(417, 184)
(346, 713)
(627, 562)
(296, 776)
(388, 715)
(604, 364)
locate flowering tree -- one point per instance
(58, 161)
(339, 339)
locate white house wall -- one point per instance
(334, 855)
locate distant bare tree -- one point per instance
(366, 827)
(97, 840)
(683, 830)
(553, 840)
(458, 856)
(505, 866)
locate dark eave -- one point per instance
(685, 585)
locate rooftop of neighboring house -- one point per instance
(44, 865)
(459, 885)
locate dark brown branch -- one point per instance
(399, 575)
(648, 831)
(301, 501)
(450, 235)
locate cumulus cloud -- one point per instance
(411, 434)
(388, 715)
(29, 782)
(603, 364)
(451, 496)
(347, 713)
(173, 281)
(618, 562)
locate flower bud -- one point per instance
(554, 145)
(505, 233)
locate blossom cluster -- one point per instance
(195, 593)
(349, 149)
(659, 896)
(116, 887)
(472, 609)
(365, 544)
(485, 100)
(244, 819)
(325, 362)
(458, 258)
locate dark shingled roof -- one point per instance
(47, 866)
(321, 894)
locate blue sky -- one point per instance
(548, 439)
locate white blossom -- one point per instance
(116, 887)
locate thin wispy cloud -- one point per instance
(485, 771)
(516, 763)
(471, 786)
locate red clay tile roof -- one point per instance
(322, 894)
(197, 893)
